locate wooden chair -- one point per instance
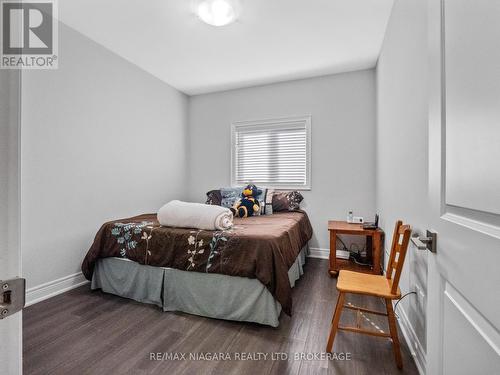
(376, 286)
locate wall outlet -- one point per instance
(356, 220)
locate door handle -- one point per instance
(426, 243)
(12, 296)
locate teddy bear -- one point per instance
(247, 205)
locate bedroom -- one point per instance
(148, 103)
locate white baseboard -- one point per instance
(316, 252)
(412, 341)
(53, 288)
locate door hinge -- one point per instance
(12, 296)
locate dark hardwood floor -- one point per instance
(90, 332)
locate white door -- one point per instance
(10, 260)
(463, 307)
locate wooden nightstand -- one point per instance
(343, 227)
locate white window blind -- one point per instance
(272, 153)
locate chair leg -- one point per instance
(335, 309)
(394, 333)
(335, 321)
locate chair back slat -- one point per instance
(399, 247)
(392, 255)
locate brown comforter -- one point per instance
(262, 247)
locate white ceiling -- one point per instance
(272, 41)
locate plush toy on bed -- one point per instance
(248, 205)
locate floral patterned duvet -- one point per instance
(262, 247)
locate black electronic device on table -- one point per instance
(371, 225)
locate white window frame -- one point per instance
(305, 119)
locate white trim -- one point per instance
(475, 225)
(484, 328)
(316, 252)
(53, 288)
(416, 349)
(305, 119)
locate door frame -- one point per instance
(436, 143)
(11, 346)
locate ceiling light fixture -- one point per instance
(217, 12)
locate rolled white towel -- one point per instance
(195, 215)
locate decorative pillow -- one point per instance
(268, 210)
(214, 197)
(286, 200)
(262, 200)
(230, 195)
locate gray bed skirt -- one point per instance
(205, 294)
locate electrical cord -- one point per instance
(343, 243)
(399, 300)
(358, 262)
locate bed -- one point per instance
(245, 273)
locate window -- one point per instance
(273, 153)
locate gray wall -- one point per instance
(343, 148)
(402, 133)
(102, 139)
